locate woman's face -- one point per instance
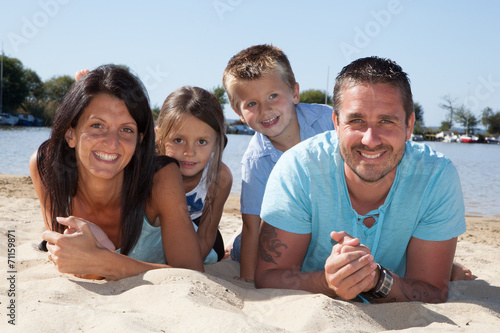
(104, 139)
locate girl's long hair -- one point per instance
(203, 105)
(57, 164)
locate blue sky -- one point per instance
(446, 47)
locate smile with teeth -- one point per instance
(106, 157)
(188, 164)
(372, 156)
(270, 121)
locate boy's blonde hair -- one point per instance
(254, 63)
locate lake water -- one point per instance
(17, 144)
(478, 164)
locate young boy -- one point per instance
(262, 90)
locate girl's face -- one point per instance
(192, 143)
(105, 137)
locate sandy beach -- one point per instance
(37, 298)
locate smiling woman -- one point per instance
(106, 135)
(99, 166)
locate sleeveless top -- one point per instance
(149, 246)
(196, 197)
(195, 202)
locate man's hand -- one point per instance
(350, 269)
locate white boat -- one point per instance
(447, 136)
(416, 137)
(8, 119)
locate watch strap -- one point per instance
(383, 286)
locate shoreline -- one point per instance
(184, 300)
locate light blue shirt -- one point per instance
(149, 246)
(261, 156)
(307, 194)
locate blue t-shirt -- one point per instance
(149, 247)
(261, 156)
(307, 194)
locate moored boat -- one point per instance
(28, 120)
(8, 119)
(468, 139)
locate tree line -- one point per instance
(25, 93)
(469, 121)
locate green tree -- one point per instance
(467, 119)
(449, 104)
(314, 96)
(221, 95)
(491, 120)
(55, 90)
(156, 112)
(15, 88)
(34, 103)
(418, 128)
(445, 126)
(419, 111)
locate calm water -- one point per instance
(477, 164)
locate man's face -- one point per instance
(372, 130)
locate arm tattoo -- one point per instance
(269, 244)
(419, 291)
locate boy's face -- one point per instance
(267, 105)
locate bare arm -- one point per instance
(40, 190)
(80, 254)
(427, 275)
(207, 229)
(249, 246)
(168, 203)
(428, 268)
(350, 267)
(280, 260)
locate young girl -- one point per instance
(191, 129)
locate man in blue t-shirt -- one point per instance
(362, 211)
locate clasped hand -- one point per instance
(350, 269)
(77, 250)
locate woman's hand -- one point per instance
(76, 251)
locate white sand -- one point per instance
(175, 300)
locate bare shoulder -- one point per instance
(167, 188)
(226, 177)
(33, 164)
(35, 175)
(166, 178)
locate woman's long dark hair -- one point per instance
(57, 164)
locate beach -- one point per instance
(37, 298)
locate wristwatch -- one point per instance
(383, 286)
